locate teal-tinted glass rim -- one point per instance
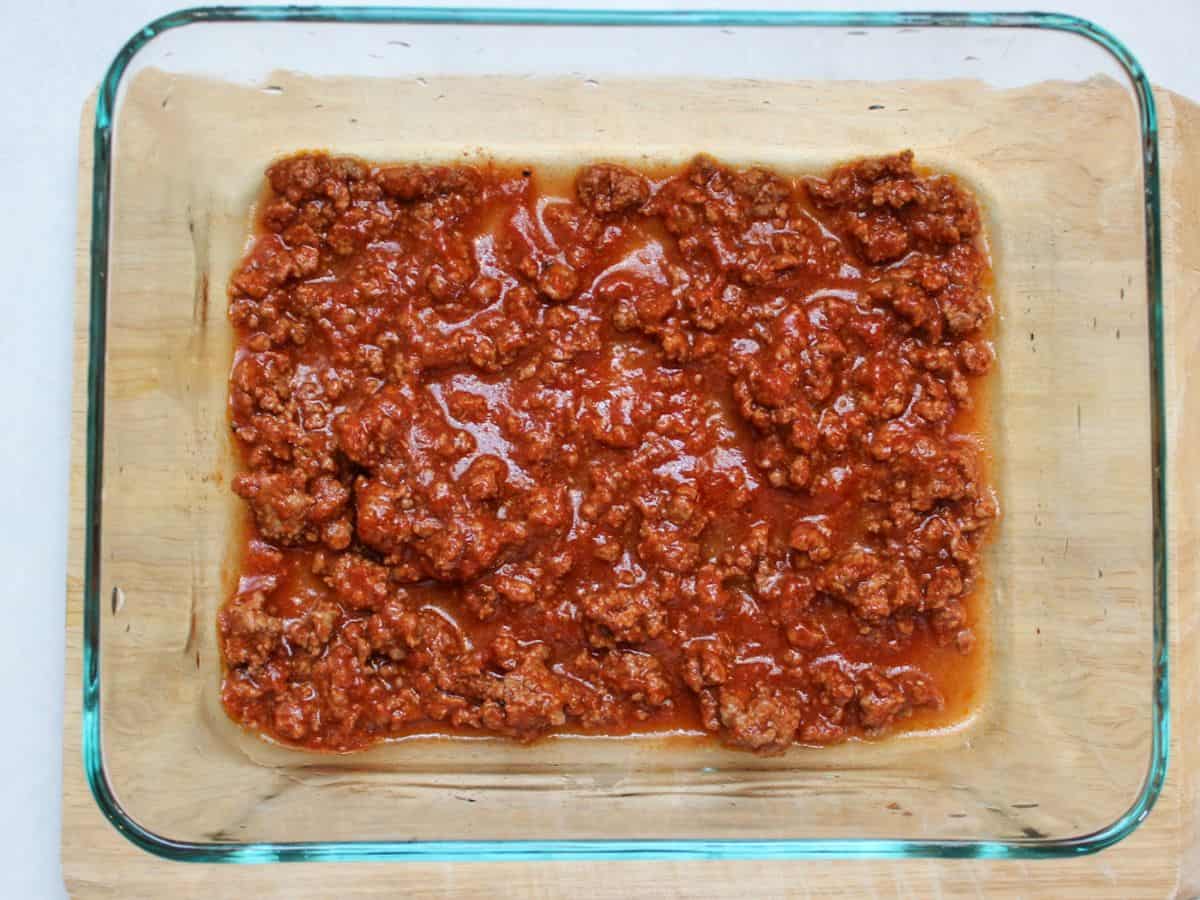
(475, 851)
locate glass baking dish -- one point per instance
(1048, 118)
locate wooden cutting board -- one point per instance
(1161, 859)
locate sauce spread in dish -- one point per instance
(690, 450)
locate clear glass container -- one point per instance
(1048, 118)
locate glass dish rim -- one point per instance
(511, 850)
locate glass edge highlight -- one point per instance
(362, 851)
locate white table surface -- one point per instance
(52, 54)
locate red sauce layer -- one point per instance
(681, 450)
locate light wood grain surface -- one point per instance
(1161, 859)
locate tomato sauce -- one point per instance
(688, 450)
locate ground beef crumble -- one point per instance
(644, 451)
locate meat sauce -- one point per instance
(688, 450)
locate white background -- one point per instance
(52, 54)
